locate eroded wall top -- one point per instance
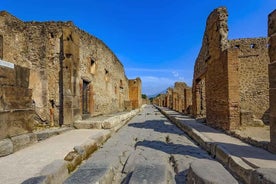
(214, 41)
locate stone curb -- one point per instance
(215, 173)
(58, 171)
(16, 143)
(93, 172)
(108, 123)
(236, 166)
(80, 153)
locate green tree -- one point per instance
(144, 96)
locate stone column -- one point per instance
(272, 79)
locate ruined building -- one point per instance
(67, 73)
(178, 98)
(135, 93)
(272, 79)
(230, 85)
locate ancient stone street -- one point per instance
(149, 149)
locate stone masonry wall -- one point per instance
(71, 72)
(253, 79)
(230, 77)
(272, 79)
(106, 75)
(135, 94)
(16, 112)
(209, 85)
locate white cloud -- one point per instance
(175, 74)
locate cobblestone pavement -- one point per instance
(149, 149)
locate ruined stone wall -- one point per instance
(188, 100)
(214, 42)
(169, 98)
(253, 81)
(71, 72)
(26, 44)
(179, 96)
(272, 79)
(105, 74)
(135, 94)
(16, 107)
(233, 75)
(214, 90)
(222, 91)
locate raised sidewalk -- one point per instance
(51, 160)
(250, 164)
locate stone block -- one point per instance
(6, 147)
(272, 102)
(222, 155)
(73, 160)
(271, 50)
(215, 173)
(91, 173)
(56, 171)
(264, 175)
(272, 23)
(22, 141)
(272, 73)
(42, 136)
(22, 76)
(16, 123)
(149, 174)
(7, 76)
(36, 180)
(10, 97)
(88, 125)
(240, 168)
(86, 149)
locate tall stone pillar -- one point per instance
(272, 79)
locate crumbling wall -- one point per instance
(16, 111)
(105, 74)
(272, 79)
(135, 94)
(72, 73)
(230, 77)
(209, 87)
(169, 98)
(188, 100)
(253, 79)
(216, 75)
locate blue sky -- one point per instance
(156, 40)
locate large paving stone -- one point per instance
(209, 172)
(149, 174)
(6, 147)
(264, 176)
(90, 174)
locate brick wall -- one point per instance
(135, 94)
(272, 79)
(230, 77)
